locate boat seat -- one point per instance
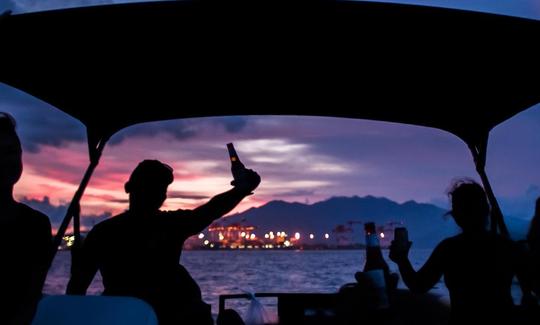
(93, 310)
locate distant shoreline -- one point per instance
(291, 248)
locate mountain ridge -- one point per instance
(427, 223)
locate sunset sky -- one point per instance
(304, 159)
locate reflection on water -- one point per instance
(229, 272)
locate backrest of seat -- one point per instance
(93, 310)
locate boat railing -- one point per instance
(295, 308)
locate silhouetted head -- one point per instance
(10, 152)
(147, 185)
(470, 207)
(537, 208)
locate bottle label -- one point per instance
(372, 241)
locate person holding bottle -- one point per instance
(369, 299)
(138, 251)
(376, 273)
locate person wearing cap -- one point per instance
(138, 251)
(24, 260)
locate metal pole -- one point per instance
(73, 209)
(497, 220)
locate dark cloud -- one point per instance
(185, 195)
(56, 213)
(182, 129)
(526, 9)
(119, 201)
(20, 6)
(179, 129)
(39, 123)
(233, 124)
(295, 193)
(6, 5)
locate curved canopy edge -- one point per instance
(114, 66)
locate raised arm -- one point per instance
(223, 203)
(426, 277)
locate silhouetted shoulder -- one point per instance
(111, 225)
(184, 223)
(448, 243)
(34, 220)
(487, 237)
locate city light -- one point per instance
(70, 240)
(238, 236)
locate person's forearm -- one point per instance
(220, 204)
(408, 274)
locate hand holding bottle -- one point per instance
(246, 180)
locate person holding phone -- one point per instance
(138, 251)
(478, 266)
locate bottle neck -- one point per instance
(372, 240)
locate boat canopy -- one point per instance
(117, 65)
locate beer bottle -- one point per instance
(376, 270)
(374, 257)
(236, 165)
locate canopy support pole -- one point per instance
(95, 147)
(479, 152)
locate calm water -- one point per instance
(229, 272)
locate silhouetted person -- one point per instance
(25, 237)
(533, 240)
(138, 251)
(478, 266)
